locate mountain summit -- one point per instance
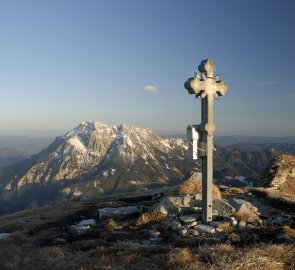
(96, 158)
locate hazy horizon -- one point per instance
(59, 132)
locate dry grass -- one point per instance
(19, 253)
(235, 190)
(194, 185)
(245, 216)
(266, 257)
(289, 231)
(149, 217)
(33, 246)
(276, 197)
(289, 186)
(234, 238)
(180, 256)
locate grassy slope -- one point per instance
(32, 245)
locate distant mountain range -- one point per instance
(95, 158)
(16, 148)
(236, 140)
(240, 139)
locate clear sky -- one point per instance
(115, 61)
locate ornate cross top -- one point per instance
(209, 86)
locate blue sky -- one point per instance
(65, 61)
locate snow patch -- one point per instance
(134, 182)
(241, 178)
(76, 142)
(105, 174)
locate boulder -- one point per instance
(194, 232)
(231, 220)
(189, 218)
(118, 213)
(173, 223)
(4, 235)
(242, 206)
(60, 240)
(173, 205)
(183, 231)
(222, 208)
(79, 229)
(242, 224)
(204, 228)
(87, 222)
(191, 224)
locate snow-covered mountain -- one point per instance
(96, 158)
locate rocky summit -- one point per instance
(280, 174)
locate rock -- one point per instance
(222, 208)
(185, 210)
(280, 174)
(84, 198)
(189, 218)
(255, 221)
(60, 240)
(255, 237)
(154, 233)
(194, 232)
(156, 239)
(162, 210)
(242, 224)
(250, 226)
(196, 203)
(191, 224)
(4, 235)
(173, 205)
(186, 200)
(198, 197)
(172, 223)
(145, 242)
(118, 213)
(87, 222)
(279, 221)
(79, 229)
(221, 225)
(242, 206)
(203, 228)
(196, 209)
(282, 236)
(183, 231)
(231, 220)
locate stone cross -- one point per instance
(207, 87)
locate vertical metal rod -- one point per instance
(207, 161)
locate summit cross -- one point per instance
(207, 87)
